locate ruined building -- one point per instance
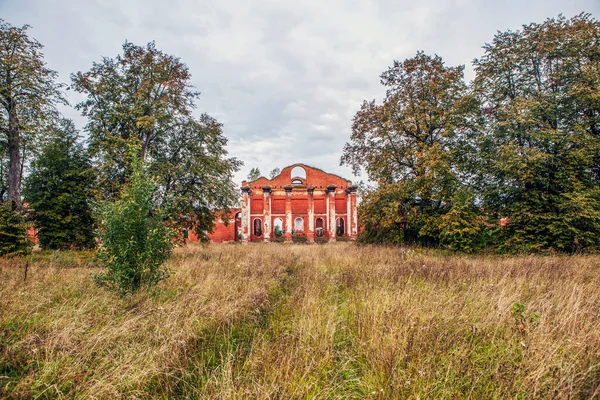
(301, 202)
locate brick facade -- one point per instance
(301, 201)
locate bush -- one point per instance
(136, 241)
(464, 228)
(13, 232)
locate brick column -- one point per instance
(331, 195)
(348, 226)
(267, 213)
(245, 214)
(288, 214)
(352, 220)
(310, 234)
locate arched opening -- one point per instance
(319, 227)
(278, 227)
(298, 172)
(257, 227)
(339, 227)
(299, 225)
(297, 182)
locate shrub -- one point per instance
(136, 241)
(13, 232)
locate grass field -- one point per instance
(298, 321)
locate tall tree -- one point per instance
(410, 144)
(59, 192)
(192, 172)
(145, 98)
(28, 96)
(539, 88)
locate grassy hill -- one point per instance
(298, 321)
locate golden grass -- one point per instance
(299, 321)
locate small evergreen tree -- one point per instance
(136, 241)
(13, 232)
(58, 191)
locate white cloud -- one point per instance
(285, 78)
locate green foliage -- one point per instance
(541, 145)
(253, 175)
(464, 228)
(380, 217)
(59, 190)
(278, 231)
(13, 232)
(522, 143)
(136, 240)
(145, 98)
(522, 318)
(274, 173)
(411, 146)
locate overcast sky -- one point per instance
(284, 77)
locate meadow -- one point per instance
(274, 321)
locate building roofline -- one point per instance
(300, 165)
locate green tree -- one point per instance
(193, 174)
(253, 175)
(136, 238)
(412, 146)
(28, 96)
(541, 151)
(59, 190)
(145, 98)
(274, 172)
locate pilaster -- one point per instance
(245, 214)
(332, 223)
(266, 214)
(310, 234)
(288, 214)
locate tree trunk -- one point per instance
(14, 166)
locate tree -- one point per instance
(274, 173)
(59, 191)
(193, 174)
(136, 238)
(28, 96)
(410, 146)
(145, 98)
(253, 175)
(541, 151)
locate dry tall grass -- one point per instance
(298, 321)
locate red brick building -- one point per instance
(301, 201)
(222, 232)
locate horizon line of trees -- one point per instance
(519, 144)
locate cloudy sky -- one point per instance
(284, 77)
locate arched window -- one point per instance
(319, 227)
(299, 224)
(278, 227)
(339, 227)
(257, 227)
(298, 172)
(297, 182)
